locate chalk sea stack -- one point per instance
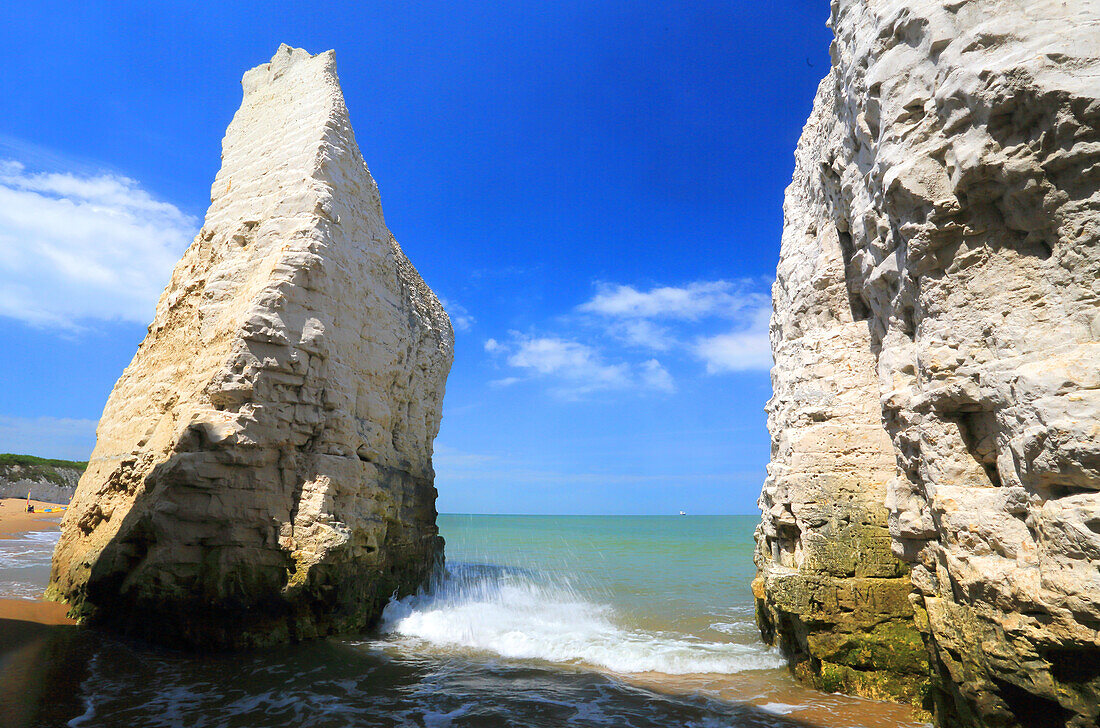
(263, 467)
(931, 516)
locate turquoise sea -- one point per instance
(537, 621)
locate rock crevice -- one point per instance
(262, 469)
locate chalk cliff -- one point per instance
(936, 332)
(263, 467)
(53, 481)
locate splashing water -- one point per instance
(521, 614)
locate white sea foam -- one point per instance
(32, 548)
(780, 708)
(20, 590)
(735, 628)
(520, 615)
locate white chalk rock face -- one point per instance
(263, 467)
(945, 203)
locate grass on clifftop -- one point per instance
(8, 458)
(33, 468)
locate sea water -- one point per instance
(622, 594)
(25, 563)
(538, 621)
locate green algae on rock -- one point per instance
(846, 632)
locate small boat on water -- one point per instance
(683, 513)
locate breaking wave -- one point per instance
(520, 614)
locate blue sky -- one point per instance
(595, 190)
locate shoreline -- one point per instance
(25, 620)
(778, 693)
(31, 630)
(15, 520)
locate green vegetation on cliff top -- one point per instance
(35, 468)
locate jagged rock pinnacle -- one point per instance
(263, 469)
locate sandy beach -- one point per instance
(15, 519)
(24, 620)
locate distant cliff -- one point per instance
(931, 516)
(48, 480)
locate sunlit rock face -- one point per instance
(937, 341)
(263, 467)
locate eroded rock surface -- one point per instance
(263, 467)
(937, 338)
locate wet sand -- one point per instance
(778, 693)
(22, 620)
(40, 670)
(31, 631)
(26, 621)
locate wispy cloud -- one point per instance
(656, 377)
(727, 299)
(744, 349)
(51, 437)
(79, 248)
(451, 458)
(460, 317)
(572, 368)
(723, 324)
(643, 333)
(740, 307)
(505, 381)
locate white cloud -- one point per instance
(48, 437)
(76, 248)
(643, 333)
(569, 360)
(460, 317)
(690, 302)
(573, 368)
(737, 351)
(655, 376)
(629, 315)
